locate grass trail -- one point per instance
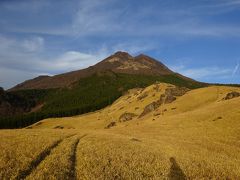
(60, 163)
(20, 149)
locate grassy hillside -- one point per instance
(88, 94)
(192, 136)
(191, 105)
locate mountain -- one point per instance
(120, 62)
(88, 89)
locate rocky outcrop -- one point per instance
(231, 95)
(177, 91)
(150, 107)
(172, 93)
(111, 124)
(126, 117)
(168, 97)
(142, 96)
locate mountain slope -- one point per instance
(88, 94)
(192, 136)
(120, 62)
(201, 105)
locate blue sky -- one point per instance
(200, 38)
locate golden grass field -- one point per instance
(197, 136)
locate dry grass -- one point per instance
(60, 164)
(149, 156)
(196, 138)
(118, 157)
(18, 148)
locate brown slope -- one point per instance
(120, 62)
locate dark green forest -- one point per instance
(88, 94)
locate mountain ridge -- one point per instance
(119, 62)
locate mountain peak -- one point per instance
(122, 54)
(118, 56)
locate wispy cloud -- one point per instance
(31, 44)
(204, 73)
(98, 17)
(236, 69)
(93, 18)
(109, 18)
(26, 54)
(234, 3)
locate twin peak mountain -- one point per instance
(120, 62)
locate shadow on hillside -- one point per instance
(176, 172)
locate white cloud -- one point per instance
(203, 73)
(34, 44)
(95, 17)
(73, 60)
(23, 59)
(22, 67)
(206, 72)
(20, 60)
(21, 54)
